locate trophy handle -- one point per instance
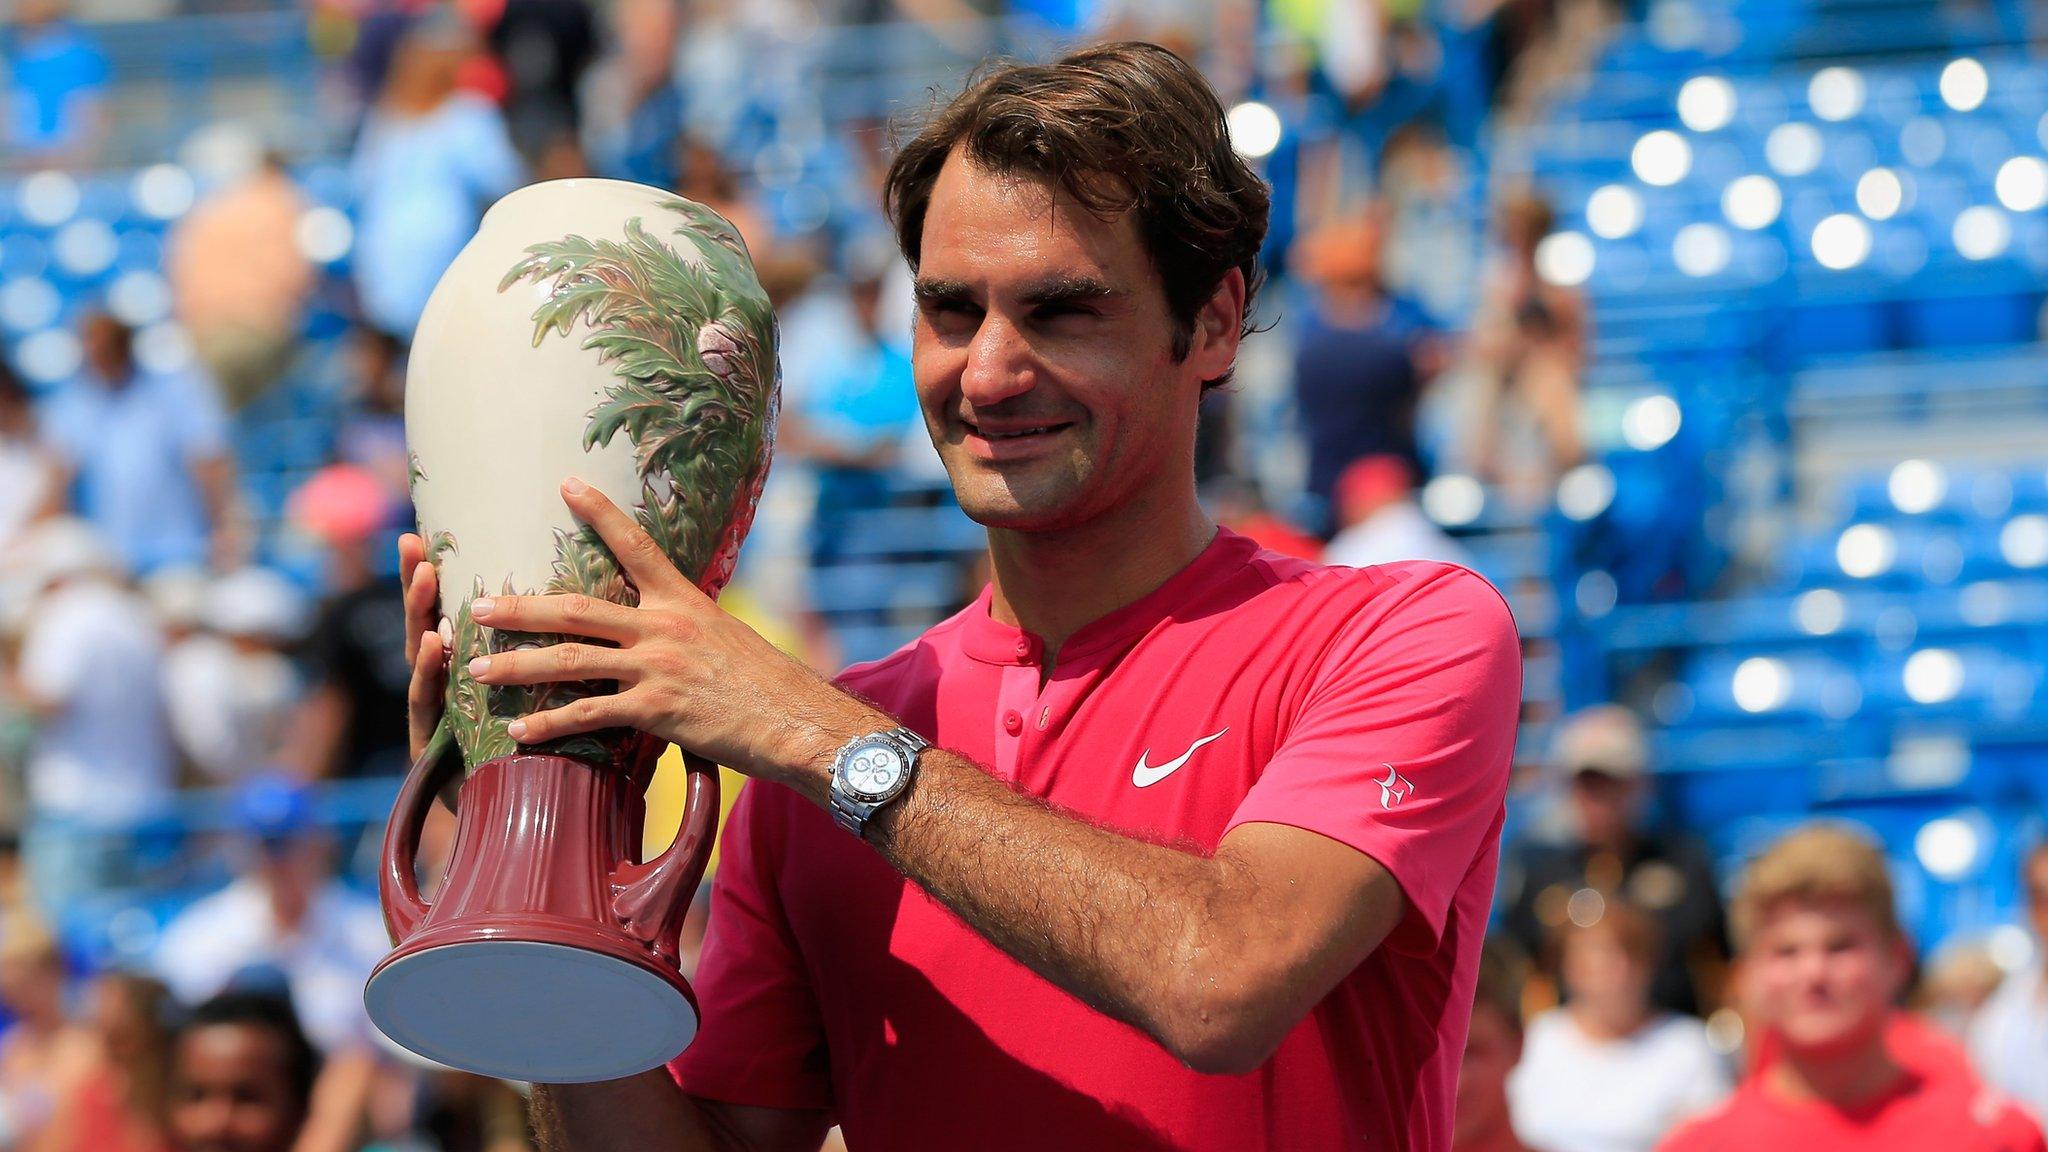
(650, 899)
(404, 907)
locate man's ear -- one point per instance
(1218, 327)
(1899, 952)
(1741, 987)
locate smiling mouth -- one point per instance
(1017, 433)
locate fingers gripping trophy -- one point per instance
(616, 333)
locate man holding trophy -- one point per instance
(1166, 842)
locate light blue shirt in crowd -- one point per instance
(132, 450)
(865, 396)
(422, 184)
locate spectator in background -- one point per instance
(703, 175)
(1607, 1072)
(544, 47)
(242, 1076)
(1528, 345)
(1608, 850)
(88, 673)
(285, 915)
(30, 473)
(147, 452)
(43, 1047)
(1380, 521)
(1822, 961)
(1237, 503)
(430, 159)
(2009, 1038)
(372, 434)
(230, 689)
(1493, 1045)
(1430, 247)
(115, 1100)
(353, 722)
(1359, 364)
(56, 80)
(239, 281)
(851, 420)
(632, 105)
(1955, 984)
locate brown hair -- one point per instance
(1526, 218)
(1635, 932)
(1119, 127)
(1819, 863)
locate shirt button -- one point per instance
(1012, 723)
(1024, 648)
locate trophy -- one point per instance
(616, 333)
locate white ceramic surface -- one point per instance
(502, 403)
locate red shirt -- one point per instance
(1376, 707)
(1913, 1042)
(1920, 1112)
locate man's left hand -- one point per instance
(687, 671)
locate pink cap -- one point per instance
(341, 503)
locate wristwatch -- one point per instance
(871, 771)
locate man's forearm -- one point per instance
(649, 1111)
(640, 1112)
(1128, 927)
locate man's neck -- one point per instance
(1051, 584)
(1844, 1080)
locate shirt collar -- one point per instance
(991, 641)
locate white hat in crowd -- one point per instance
(1606, 738)
(256, 603)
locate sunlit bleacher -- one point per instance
(1815, 543)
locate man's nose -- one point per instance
(209, 1119)
(999, 364)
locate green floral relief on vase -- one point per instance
(692, 348)
(480, 716)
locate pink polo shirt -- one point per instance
(1375, 706)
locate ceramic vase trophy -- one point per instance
(615, 333)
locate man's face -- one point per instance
(107, 350)
(1044, 355)
(230, 1092)
(1597, 968)
(1823, 975)
(27, 982)
(1605, 806)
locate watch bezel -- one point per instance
(845, 761)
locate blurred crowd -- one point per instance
(163, 638)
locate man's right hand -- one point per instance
(629, 1114)
(426, 641)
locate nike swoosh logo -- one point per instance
(1145, 776)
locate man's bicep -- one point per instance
(1328, 903)
(1402, 748)
(743, 1128)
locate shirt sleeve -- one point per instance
(65, 427)
(55, 655)
(489, 161)
(761, 1041)
(1404, 740)
(201, 421)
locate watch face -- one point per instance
(874, 770)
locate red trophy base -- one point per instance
(544, 957)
